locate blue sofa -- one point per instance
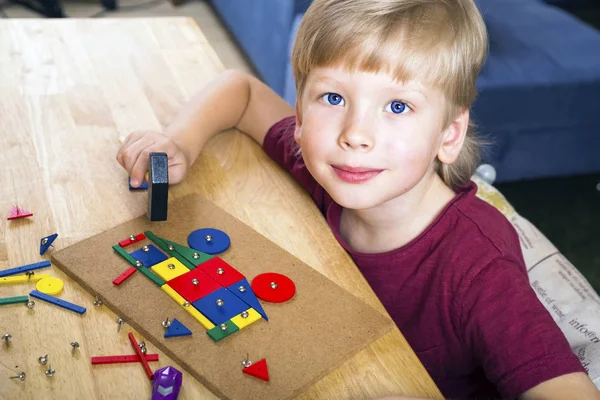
(539, 91)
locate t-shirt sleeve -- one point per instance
(279, 144)
(510, 332)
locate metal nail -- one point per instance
(273, 285)
(170, 247)
(6, 337)
(245, 314)
(49, 372)
(246, 363)
(220, 303)
(30, 304)
(20, 377)
(29, 275)
(142, 347)
(166, 323)
(196, 255)
(220, 271)
(186, 304)
(44, 241)
(171, 266)
(195, 281)
(131, 237)
(98, 302)
(208, 238)
(75, 346)
(146, 248)
(43, 359)
(223, 327)
(138, 263)
(120, 321)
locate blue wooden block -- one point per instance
(231, 307)
(247, 295)
(57, 302)
(218, 243)
(46, 242)
(149, 258)
(143, 186)
(177, 329)
(24, 268)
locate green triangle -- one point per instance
(195, 257)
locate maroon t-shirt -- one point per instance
(459, 292)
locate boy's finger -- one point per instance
(133, 152)
(140, 169)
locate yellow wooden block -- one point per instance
(174, 295)
(205, 322)
(170, 269)
(242, 322)
(199, 317)
(52, 286)
(10, 280)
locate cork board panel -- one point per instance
(305, 338)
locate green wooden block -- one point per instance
(14, 300)
(217, 333)
(172, 249)
(146, 271)
(193, 256)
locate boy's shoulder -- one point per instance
(480, 230)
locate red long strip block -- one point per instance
(122, 359)
(137, 349)
(128, 241)
(121, 278)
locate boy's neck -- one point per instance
(398, 221)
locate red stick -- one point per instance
(122, 359)
(127, 242)
(141, 357)
(121, 278)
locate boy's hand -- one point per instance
(135, 152)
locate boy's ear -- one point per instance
(453, 138)
(298, 130)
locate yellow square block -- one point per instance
(173, 294)
(242, 322)
(170, 269)
(205, 322)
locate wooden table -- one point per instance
(69, 89)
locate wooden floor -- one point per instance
(200, 10)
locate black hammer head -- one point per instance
(158, 187)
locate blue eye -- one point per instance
(397, 107)
(333, 98)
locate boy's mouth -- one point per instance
(355, 174)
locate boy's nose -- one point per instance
(355, 139)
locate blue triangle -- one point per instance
(49, 240)
(177, 329)
(248, 296)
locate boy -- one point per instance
(381, 140)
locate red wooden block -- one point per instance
(258, 369)
(128, 241)
(263, 288)
(184, 285)
(221, 272)
(121, 278)
(141, 357)
(17, 212)
(122, 359)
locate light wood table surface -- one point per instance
(69, 89)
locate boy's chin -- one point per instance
(355, 201)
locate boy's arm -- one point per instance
(576, 385)
(234, 100)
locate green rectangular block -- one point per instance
(14, 300)
(217, 333)
(174, 252)
(146, 271)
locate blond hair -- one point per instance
(441, 43)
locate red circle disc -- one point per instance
(283, 290)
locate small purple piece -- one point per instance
(167, 382)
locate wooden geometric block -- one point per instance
(169, 269)
(251, 316)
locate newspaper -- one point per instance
(560, 287)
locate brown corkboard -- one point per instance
(305, 338)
